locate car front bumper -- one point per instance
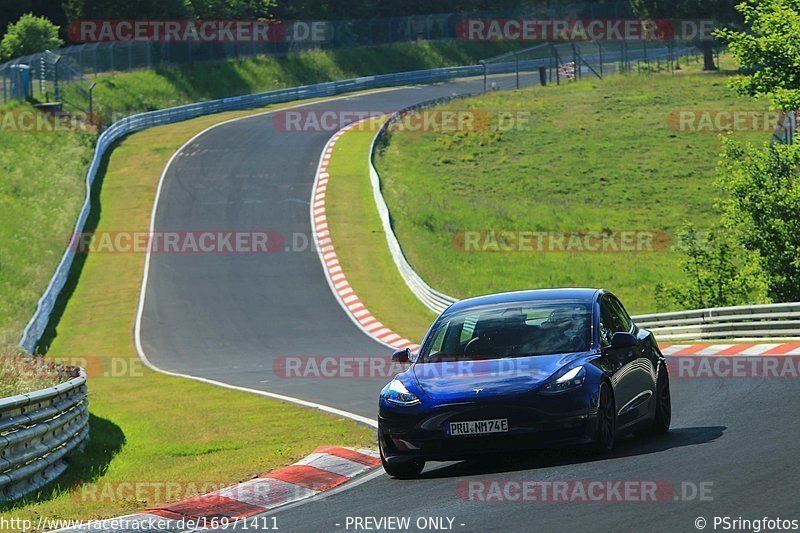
(422, 434)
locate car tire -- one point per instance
(403, 470)
(605, 435)
(400, 470)
(663, 416)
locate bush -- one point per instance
(761, 209)
(717, 275)
(29, 35)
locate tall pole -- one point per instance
(56, 92)
(91, 103)
(600, 49)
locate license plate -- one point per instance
(479, 427)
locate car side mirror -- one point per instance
(623, 340)
(402, 356)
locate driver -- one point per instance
(564, 330)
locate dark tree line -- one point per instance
(61, 12)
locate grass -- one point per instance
(148, 427)
(21, 374)
(42, 174)
(597, 155)
(144, 90)
(40, 196)
(360, 242)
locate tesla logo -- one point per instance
(477, 391)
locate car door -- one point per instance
(633, 373)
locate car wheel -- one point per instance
(606, 421)
(402, 470)
(663, 416)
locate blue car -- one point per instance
(523, 370)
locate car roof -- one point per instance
(588, 295)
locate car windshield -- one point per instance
(496, 332)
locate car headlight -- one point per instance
(570, 380)
(396, 393)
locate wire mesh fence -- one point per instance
(556, 63)
(49, 71)
(787, 129)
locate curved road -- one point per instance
(229, 317)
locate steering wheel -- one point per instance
(471, 343)
(575, 342)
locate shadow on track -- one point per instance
(626, 447)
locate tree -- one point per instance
(768, 52)
(125, 9)
(721, 10)
(29, 35)
(12, 10)
(232, 9)
(716, 275)
(761, 209)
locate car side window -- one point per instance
(606, 323)
(623, 322)
(438, 341)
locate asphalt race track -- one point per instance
(229, 317)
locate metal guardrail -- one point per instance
(37, 430)
(432, 299)
(755, 322)
(34, 329)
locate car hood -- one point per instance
(457, 381)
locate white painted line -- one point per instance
(759, 349)
(333, 463)
(266, 492)
(674, 348)
(715, 349)
(137, 330)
